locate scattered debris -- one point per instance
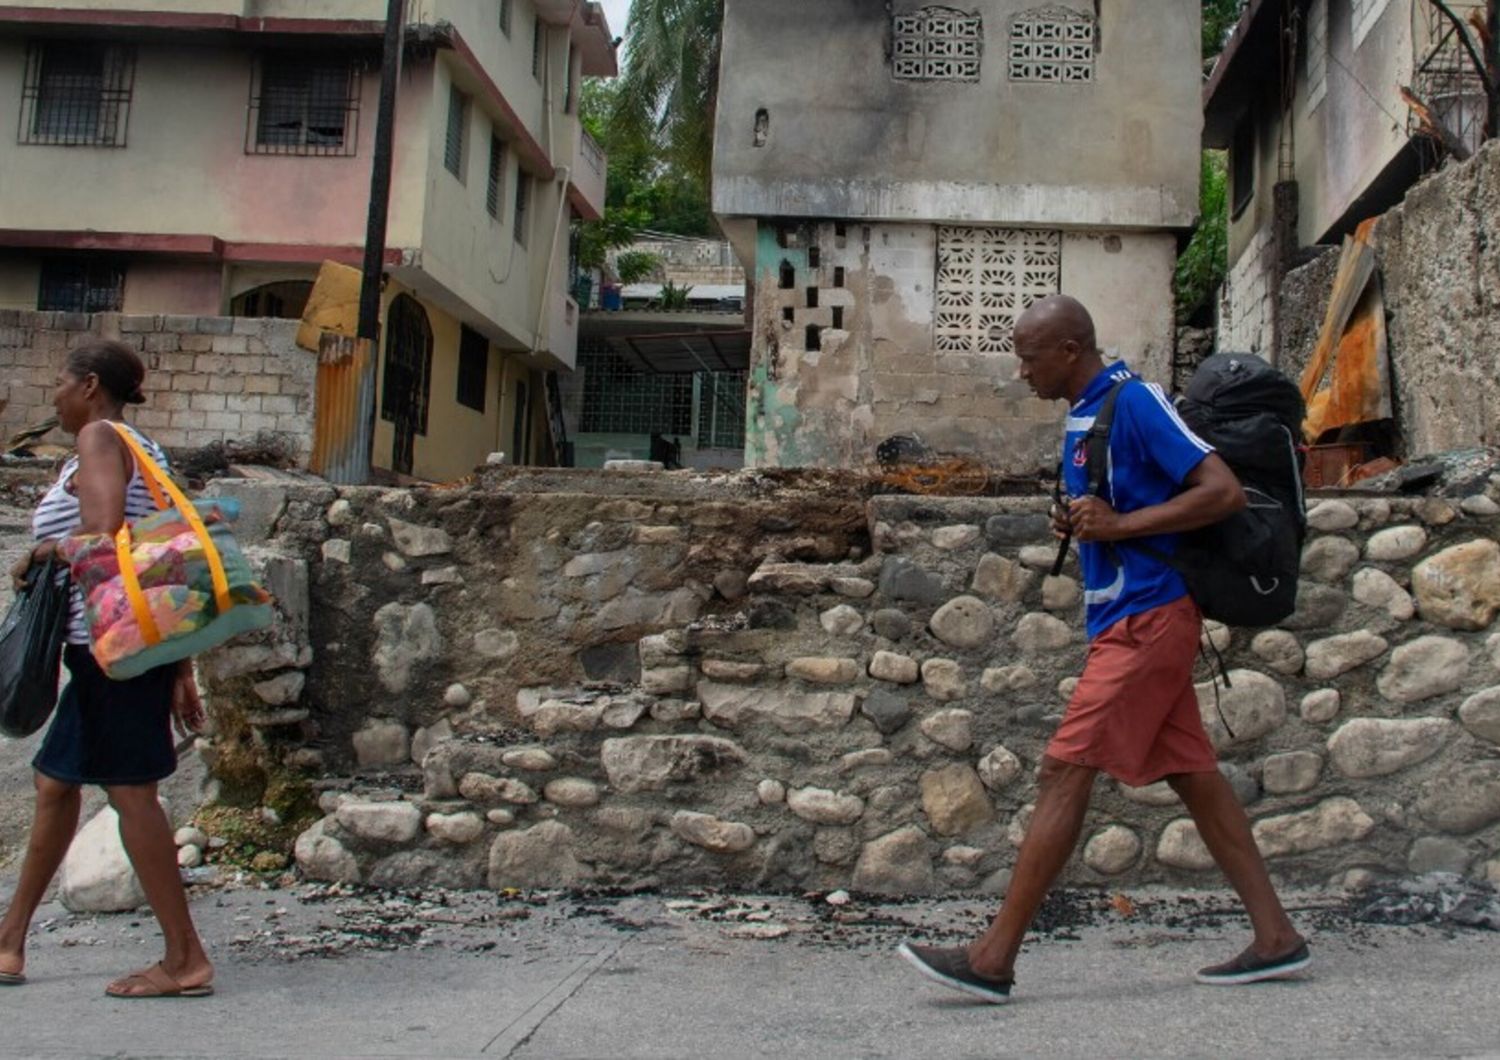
(1437, 898)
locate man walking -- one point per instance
(1134, 714)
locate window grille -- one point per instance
(78, 285)
(986, 279)
(473, 368)
(523, 206)
(721, 410)
(458, 121)
(505, 12)
(302, 105)
(619, 398)
(494, 191)
(1052, 44)
(538, 36)
(936, 44)
(1317, 53)
(77, 94)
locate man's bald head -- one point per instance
(1059, 318)
(1057, 347)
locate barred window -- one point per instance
(77, 93)
(523, 206)
(1052, 44)
(986, 279)
(303, 105)
(494, 192)
(473, 368)
(458, 123)
(936, 44)
(538, 38)
(619, 398)
(81, 285)
(1316, 53)
(505, 12)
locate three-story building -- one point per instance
(203, 157)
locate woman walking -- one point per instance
(117, 734)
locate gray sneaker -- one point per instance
(1250, 968)
(951, 968)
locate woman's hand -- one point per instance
(40, 554)
(187, 706)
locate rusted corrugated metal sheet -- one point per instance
(1353, 340)
(345, 409)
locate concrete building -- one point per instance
(1307, 100)
(202, 157)
(901, 180)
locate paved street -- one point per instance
(303, 972)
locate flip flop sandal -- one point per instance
(12, 978)
(160, 984)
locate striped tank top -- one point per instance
(58, 515)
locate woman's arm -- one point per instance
(104, 467)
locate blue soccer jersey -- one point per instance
(1151, 452)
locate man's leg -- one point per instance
(1061, 802)
(1226, 832)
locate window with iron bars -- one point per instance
(523, 206)
(458, 122)
(77, 93)
(81, 285)
(619, 398)
(303, 105)
(538, 39)
(494, 191)
(505, 10)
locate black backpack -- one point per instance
(1243, 570)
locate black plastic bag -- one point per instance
(31, 643)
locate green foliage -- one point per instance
(1219, 17)
(1203, 265)
(633, 266)
(674, 298)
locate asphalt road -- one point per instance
(302, 973)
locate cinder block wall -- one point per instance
(209, 379)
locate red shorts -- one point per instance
(1134, 713)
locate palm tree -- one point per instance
(669, 87)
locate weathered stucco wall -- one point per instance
(876, 368)
(842, 137)
(680, 681)
(208, 379)
(1440, 277)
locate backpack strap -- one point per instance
(1096, 453)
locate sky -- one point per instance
(616, 11)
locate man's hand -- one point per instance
(187, 707)
(1062, 526)
(1093, 519)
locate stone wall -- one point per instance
(1440, 277)
(570, 678)
(209, 379)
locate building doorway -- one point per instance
(408, 375)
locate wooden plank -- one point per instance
(1356, 267)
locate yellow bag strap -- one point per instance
(157, 480)
(132, 582)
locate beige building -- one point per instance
(202, 157)
(901, 180)
(1307, 99)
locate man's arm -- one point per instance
(1211, 492)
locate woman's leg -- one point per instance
(51, 832)
(147, 836)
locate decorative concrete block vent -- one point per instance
(682, 687)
